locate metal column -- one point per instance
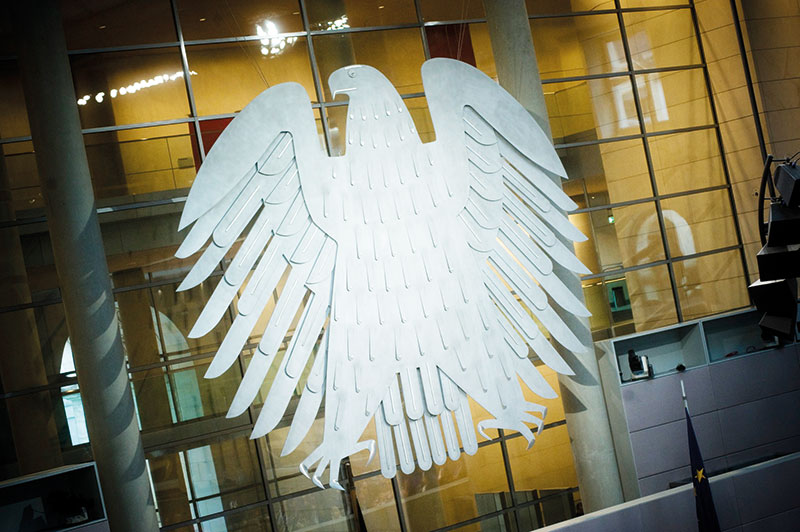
(81, 264)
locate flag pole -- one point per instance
(683, 395)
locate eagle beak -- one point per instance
(342, 81)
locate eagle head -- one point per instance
(351, 80)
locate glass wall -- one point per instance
(156, 83)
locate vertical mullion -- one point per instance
(188, 82)
(720, 144)
(315, 75)
(648, 157)
(398, 503)
(509, 477)
(262, 464)
(422, 30)
(762, 144)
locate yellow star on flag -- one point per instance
(700, 476)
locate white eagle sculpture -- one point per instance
(421, 264)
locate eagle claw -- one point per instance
(509, 422)
(332, 463)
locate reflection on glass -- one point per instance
(660, 39)
(711, 284)
(577, 46)
(613, 171)
(547, 469)
(256, 518)
(141, 161)
(43, 346)
(637, 232)
(469, 43)
(218, 64)
(100, 25)
(619, 237)
(449, 493)
(37, 434)
(632, 302)
(283, 472)
(324, 15)
(210, 19)
(699, 222)
(375, 499)
(206, 478)
(398, 54)
(320, 510)
(686, 161)
(591, 109)
(672, 100)
(94, 74)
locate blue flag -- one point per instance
(706, 513)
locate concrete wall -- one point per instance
(757, 498)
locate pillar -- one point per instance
(81, 265)
(582, 394)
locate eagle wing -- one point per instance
(512, 209)
(251, 178)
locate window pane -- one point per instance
(611, 172)
(283, 472)
(129, 87)
(205, 478)
(469, 43)
(711, 284)
(673, 100)
(103, 24)
(210, 19)
(482, 47)
(632, 302)
(376, 501)
(548, 465)
(178, 393)
(140, 245)
(591, 109)
(13, 114)
(335, 14)
(40, 356)
(26, 265)
(687, 161)
(126, 166)
(451, 10)
(447, 494)
(320, 510)
(252, 519)
(254, 68)
(619, 237)
(141, 161)
(212, 128)
(23, 181)
(397, 54)
(37, 434)
(660, 39)
(577, 46)
(699, 222)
